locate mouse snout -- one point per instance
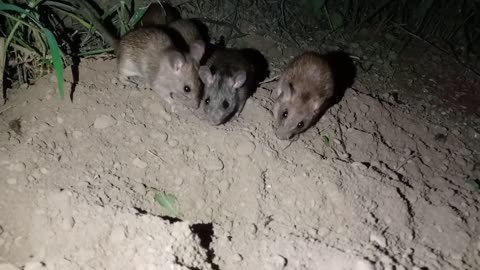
(283, 134)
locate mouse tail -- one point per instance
(109, 37)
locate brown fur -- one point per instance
(304, 91)
(148, 52)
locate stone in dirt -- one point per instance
(103, 121)
(139, 163)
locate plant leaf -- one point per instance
(168, 201)
(137, 16)
(52, 43)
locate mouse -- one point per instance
(158, 14)
(149, 52)
(303, 93)
(228, 78)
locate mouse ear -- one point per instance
(205, 74)
(176, 60)
(197, 49)
(317, 104)
(239, 79)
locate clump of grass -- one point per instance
(42, 36)
(30, 46)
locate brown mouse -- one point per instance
(303, 94)
(149, 52)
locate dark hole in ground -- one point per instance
(205, 233)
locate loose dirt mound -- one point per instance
(371, 187)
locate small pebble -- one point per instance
(139, 163)
(34, 266)
(364, 265)
(214, 164)
(279, 262)
(323, 231)
(179, 181)
(59, 120)
(11, 181)
(379, 240)
(19, 167)
(245, 148)
(44, 170)
(237, 258)
(68, 223)
(159, 136)
(173, 142)
(103, 122)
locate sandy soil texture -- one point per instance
(372, 186)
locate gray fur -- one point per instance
(228, 81)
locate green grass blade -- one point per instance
(57, 61)
(137, 16)
(95, 52)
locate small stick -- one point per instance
(269, 80)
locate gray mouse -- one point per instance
(228, 79)
(149, 52)
(304, 91)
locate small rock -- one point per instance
(12, 181)
(245, 148)
(34, 266)
(214, 164)
(237, 258)
(279, 262)
(358, 165)
(364, 265)
(31, 178)
(252, 229)
(68, 223)
(139, 163)
(19, 167)
(159, 136)
(59, 120)
(117, 235)
(378, 239)
(173, 142)
(179, 181)
(103, 122)
(323, 231)
(44, 170)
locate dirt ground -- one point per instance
(377, 184)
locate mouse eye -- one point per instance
(207, 100)
(187, 89)
(225, 104)
(285, 114)
(300, 124)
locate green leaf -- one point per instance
(326, 141)
(137, 16)
(52, 43)
(168, 201)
